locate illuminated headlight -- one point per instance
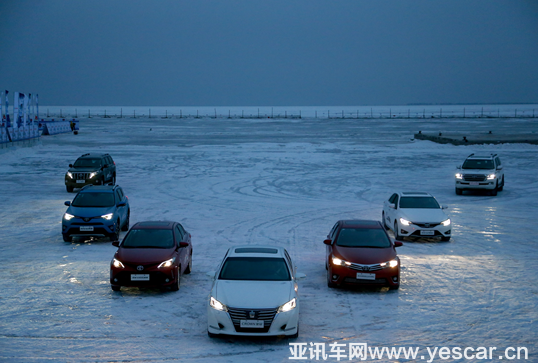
(405, 222)
(167, 263)
(117, 263)
(69, 175)
(217, 305)
(392, 263)
(491, 176)
(290, 305)
(459, 176)
(446, 223)
(68, 216)
(108, 216)
(93, 174)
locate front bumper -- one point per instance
(482, 185)
(342, 275)
(157, 277)
(220, 322)
(101, 228)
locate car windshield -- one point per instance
(478, 164)
(93, 200)
(255, 269)
(363, 237)
(88, 163)
(419, 202)
(149, 238)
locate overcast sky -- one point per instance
(270, 53)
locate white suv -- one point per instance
(482, 172)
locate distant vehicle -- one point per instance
(480, 172)
(94, 169)
(254, 292)
(416, 214)
(96, 211)
(152, 254)
(360, 252)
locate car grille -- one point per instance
(474, 177)
(81, 176)
(351, 280)
(427, 225)
(359, 267)
(267, 315)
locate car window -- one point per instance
(419, 202)
(363, 237)
(93, 200)
(149, 238)
(87, 163)
(179, 234)
(335, 227)
(478, 164)
(396, 197)
(255, 269)
(120, 191)
(498, 161)
(289, 259)
(393, 198)
(181, 229)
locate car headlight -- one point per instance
(68, 216)
(392, 263)
(290, 305)
(491, 176)
(167, 263)
(446, 222)
(339, 262)
(117, 263)
(69, 175)
(108, 216)
(459, 176)
(405, 222)
(93, 174)
(217, 305)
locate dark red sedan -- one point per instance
(360, 252)
(152, 254)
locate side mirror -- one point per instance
(444, 207)
(105, 166)
(122, 204)
(392, 205)
(458, 167)
(183, 244)
(116, 243)
(68, 203)
(398, 244)
(500, 168)
(328, 242)
(211, 273)
(70, 165)
(300, 276)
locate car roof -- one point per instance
(98, 188)
(361, 223)
(255, 251)
(154, 225)
(91, 156)
(415, 194)
(490, 156)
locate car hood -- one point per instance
(364, 255)
(83, 170)
(144, 255)
(253, 294)
(424, 215)
(477, 171)
(90, 211)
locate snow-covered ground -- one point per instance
(281, 182)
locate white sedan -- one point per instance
(254, 292)
(416, 214)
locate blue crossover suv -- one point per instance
(96, 211)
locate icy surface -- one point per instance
(281, 182)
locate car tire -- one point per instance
(212, 335)
(125, 226)
(115, 287)
(329, 283)
(69, 189)
(494, 191)
(113, 180)
(175, 287)
(501, 187)
(397, 236)
(384, 221)
(116, 235)
(445, 239)
(296, 335)
(458, 191)
(188, 270)
(394, 287)
(66, 238)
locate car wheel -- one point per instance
(115, 287)
(494, 191)
(189, 266)
(69, 189)
(212, 335)
(329, 282)
(501, 187)
(458, 191)
(396, 233)
(175, 287)
(66, 238)
(126, 225)
(384, 220)
(113, 180)
(296, 335)
(116, 235)
(445, 239)
(394, 287)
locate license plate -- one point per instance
(427, 233)
(474, 183)
(86, 228)
(252, 324)
(81, 181)
(139, 277)
(363, 276)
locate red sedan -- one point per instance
(360, 252)
(152, 254)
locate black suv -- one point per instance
(95, 169)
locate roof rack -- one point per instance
(86, 154)
(470, 155)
